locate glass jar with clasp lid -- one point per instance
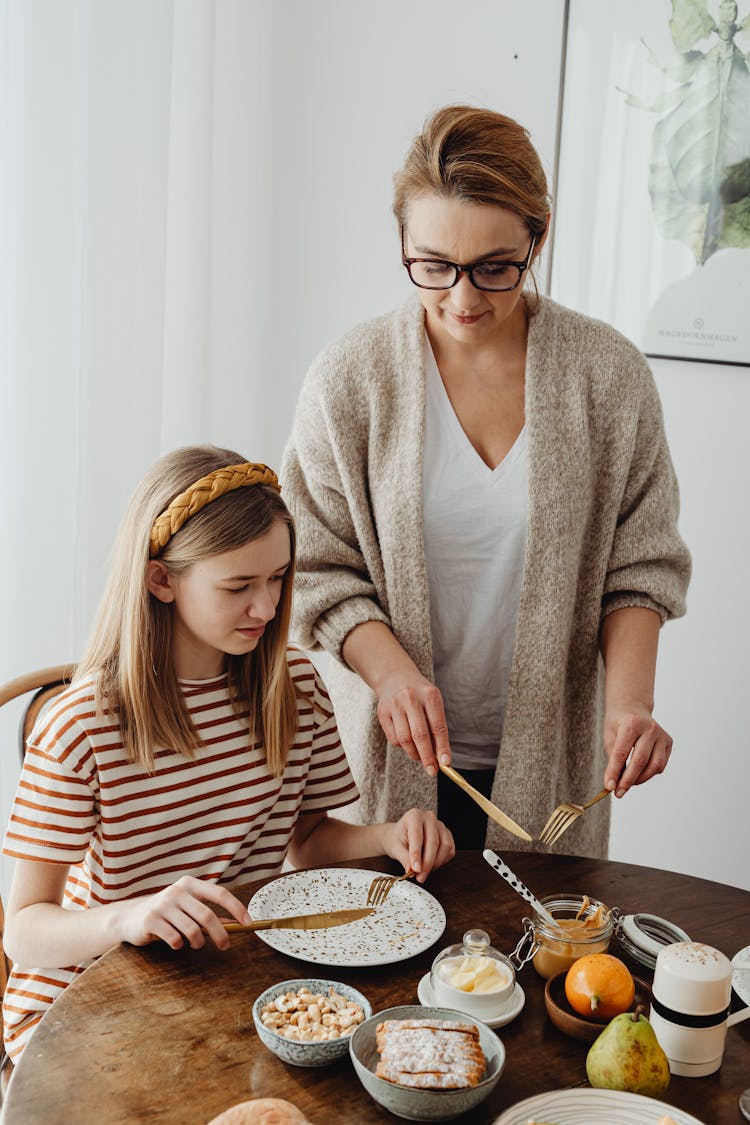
(582, 925)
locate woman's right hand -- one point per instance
(412, 715)
(179, 915)
(410, 707)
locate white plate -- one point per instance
(593, 1107)
(515, 1005)
(741, 976)
(408, 922)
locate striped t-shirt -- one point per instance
(220, 816)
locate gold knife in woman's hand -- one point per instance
(492, 811)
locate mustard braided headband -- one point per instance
(205, 490)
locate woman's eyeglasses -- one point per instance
(493, 277)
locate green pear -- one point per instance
(627, 1056)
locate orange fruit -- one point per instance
(599, 986)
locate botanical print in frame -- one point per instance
(652, 216)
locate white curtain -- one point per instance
(132, 221)
(127, 281)
(194, 198)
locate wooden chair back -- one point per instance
(45, 685)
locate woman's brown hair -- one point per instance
(130, 650)
(478, 156)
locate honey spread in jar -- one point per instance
(586, 929)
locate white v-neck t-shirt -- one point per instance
(475, 526)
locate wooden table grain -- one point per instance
(153, 1035)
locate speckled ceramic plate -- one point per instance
(408, 922)
(741, 974)
(593, 1107)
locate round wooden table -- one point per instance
(153, 1035)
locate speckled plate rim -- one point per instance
(741, 974)
(586, 1107)
(409, 921)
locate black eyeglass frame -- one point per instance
(468, 270)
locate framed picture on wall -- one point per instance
(651, 224)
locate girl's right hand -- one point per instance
(420, 841)
(179, 914)
(411, 713)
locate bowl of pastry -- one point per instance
(308, 1021)
(426, 1064)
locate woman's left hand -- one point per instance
(420, 841)
(637, 747)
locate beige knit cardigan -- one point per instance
(602, 534)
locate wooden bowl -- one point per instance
(567, 1020)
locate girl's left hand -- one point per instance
(420, 841)
(637, 747)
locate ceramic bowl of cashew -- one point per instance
(308, 1021)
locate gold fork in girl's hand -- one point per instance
(382, 886)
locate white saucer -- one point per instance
(514, 1006)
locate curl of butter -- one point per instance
(474, 973)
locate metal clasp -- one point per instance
(617, 917)
(527, 946)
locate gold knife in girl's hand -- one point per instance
(301, 921)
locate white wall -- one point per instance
(609, 262)
(354, 85)
(694, 817)
(216, 259)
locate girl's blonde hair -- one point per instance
(130, 649)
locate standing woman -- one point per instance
(487, 514)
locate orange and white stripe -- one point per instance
(221, 816)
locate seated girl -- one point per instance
(194, 748)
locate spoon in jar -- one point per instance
(520, 888)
